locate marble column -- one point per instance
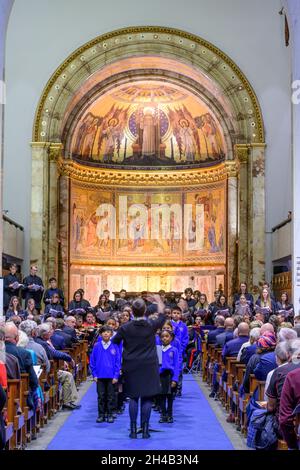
(52, 263)
(63, 233)
(256, 219)
(241, 155)
(232, 226)
(39, 207)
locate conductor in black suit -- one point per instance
(140, 365)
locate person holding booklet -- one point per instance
(284, 308)
(11, 286)
(33, 288)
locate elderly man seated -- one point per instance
(69, 391)
(70, 328)
(23, 356)
(30, 328)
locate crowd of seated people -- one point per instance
(261, 334)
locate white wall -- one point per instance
(42, 33)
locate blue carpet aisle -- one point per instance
(195, 427)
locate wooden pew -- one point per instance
(14, 413)
(29, 430)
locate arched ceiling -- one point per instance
(124, 56)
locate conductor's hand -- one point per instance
(114, 381)
(173, 384)
(155, 299)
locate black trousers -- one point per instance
(166, 404)
(106, 396)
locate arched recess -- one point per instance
(178, 57)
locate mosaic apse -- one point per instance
(148, 124)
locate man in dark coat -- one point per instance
(140, 361)
(11, 286)
(33, 288)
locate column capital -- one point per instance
(55, 151)
(231, 168)
(241, 152)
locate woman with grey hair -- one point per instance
(286, 334)
(253, 337)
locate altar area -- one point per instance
(150, 143)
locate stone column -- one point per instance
(232, 226)
(52, 263)
(39, 207)
(63, 232)
(241, 155)
(256, 219)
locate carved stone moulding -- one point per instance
(132, 178)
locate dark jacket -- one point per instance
(68, 341)
(25, 362)
(30, 294)
(232, 347)
(71, 332)
(212, 335)
(224, 338)
(58, 341)
(8, 291)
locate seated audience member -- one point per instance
(289, 400)
(232, 347)
(53, 289)
(248, 297)
(56, 339)
(16, 320)
(23, 356)
(274, 320)
(223, 338)
(33, 288)
(79, 306)
(285, 307)
(103, 309)
(286, 334)
(237, 319)
(59, 331)
(275, 384)
(32, 312)
(265, 305)
(15, 309)
(23, 343)
(54, 308)
(172, 300)
(249, 348)
(219, 328)
(297, 329)
(30, 328)
(2, 422)
(297, 320)
(70, 328)
(65, 378)
(281, 357)
(262, 362)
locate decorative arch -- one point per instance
(179, 58)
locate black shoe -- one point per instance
(178, 394)
(145, 428)
(100, 419)
(163, 419)
(114, 415)
(70, 406)
(133, 434)
(77, 406)
(212, 395)
(170, 419)
(110, 419)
